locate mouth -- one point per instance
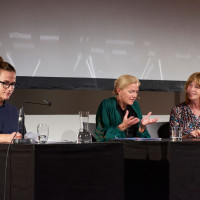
(191, 93)
(7, 94)
(132, 99)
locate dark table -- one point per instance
(63, 171)
(162, 170)
(185, 170)
(159, 170)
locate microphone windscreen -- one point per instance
(47, 102)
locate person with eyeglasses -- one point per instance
(8, 112)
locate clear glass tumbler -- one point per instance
(84, 134)
(43, 133)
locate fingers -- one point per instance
(198, 131)
(133, 121)
(16, 135)
(131, 117)
(128, 122)
(194, 134)
(126, 115)
(146, 121)
(148, 114)
(153, 120)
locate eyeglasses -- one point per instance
(7, 85)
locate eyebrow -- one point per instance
(8, 81)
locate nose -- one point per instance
(192, 88)
(135, 94)
(11, 88)
(189, 88)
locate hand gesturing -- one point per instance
(128, 122)
(145, 121)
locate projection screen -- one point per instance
(78, 44)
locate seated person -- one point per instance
(187, 114)
(8, 112)
(120, 116)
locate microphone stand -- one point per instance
(22, 124)
(23, 130)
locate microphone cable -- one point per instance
(47, 103)
(6, 161)
(6, 165)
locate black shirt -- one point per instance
(131, 131)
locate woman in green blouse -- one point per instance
(120, 116)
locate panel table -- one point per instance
(63, 171)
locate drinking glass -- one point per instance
(84, 134)
(43, 133)
(177, 133)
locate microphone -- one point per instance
(21, 120)
(21, 113)
(47, 103)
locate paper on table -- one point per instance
(139, 139)
(149, 139)
(31, 135)
(63, 142)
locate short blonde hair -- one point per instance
(123, 81)
(195, 77)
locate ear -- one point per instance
(118, 91)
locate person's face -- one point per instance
(193, 91)
(8, 77)
(129, 94)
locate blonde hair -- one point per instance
(195, 77)
(124, 81)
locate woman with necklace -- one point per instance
(120, 116)
(187, 114)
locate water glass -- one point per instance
(84, 119)
(84, 134)
(43, 133)
(177, 133)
